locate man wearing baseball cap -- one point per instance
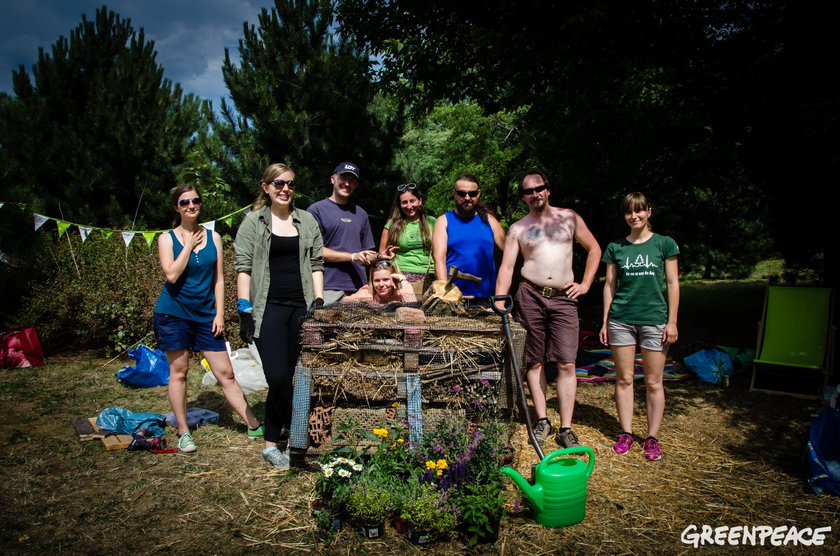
(348, 240)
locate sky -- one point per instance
(190, 35)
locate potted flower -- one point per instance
(334, 482)
(429, 514)
(481, 507)
(368, 503)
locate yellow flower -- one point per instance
(395, 404)
(381, 433)
(430, 465)
(439, 472)
(400, 440)
(441, 464)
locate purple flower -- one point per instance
(485, 382)
(456, 388)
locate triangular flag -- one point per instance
(84, 231)
(127, 237)
(210, 225)
(1, 205)
(62, 227)
(40, 220)
(106, 233)
(150, 237)
(229, 221)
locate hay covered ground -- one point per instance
(733, 458)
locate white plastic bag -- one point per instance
(247, 369)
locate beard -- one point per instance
(465, 212)
(539, 206)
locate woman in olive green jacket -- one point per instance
(280, 273)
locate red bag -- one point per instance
(20, 349)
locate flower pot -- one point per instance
(373, 530)
(416, 536)
(317, 505)
(401, 525)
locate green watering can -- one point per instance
(558, 494)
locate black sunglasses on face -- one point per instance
(463, 194)
(278, 183)
(186, 202)
(532, 190)
(403, 186)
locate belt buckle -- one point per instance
(548, 291)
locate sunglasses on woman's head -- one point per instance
(278, 183)
(406, 186)
(382, 264)
(186, 202)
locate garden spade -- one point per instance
(514, 361)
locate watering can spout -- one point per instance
(531, 492)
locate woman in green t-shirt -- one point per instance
(410, 228)
(636, 312)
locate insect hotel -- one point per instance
(409, 364)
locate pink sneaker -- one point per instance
(623, 442)
(653, 451)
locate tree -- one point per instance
(714, 108)
(456, 138)
(97, 135)
(305, 96)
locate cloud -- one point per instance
(190, 35)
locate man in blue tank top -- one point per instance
(465, 237)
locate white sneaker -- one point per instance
(275, 457)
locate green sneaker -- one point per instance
(186, 443)
(258, 432)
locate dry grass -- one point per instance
(732, 458)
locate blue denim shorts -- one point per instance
(174, 333)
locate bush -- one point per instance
(101, 294)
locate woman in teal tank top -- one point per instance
(189, 314)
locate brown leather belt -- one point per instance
(545, 291)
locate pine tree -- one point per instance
(303, 95)
(96, 132)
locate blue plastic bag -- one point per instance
(123, 421)
(152, 368)
(824, 451)
(710, 365)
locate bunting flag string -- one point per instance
(40, 220)
(62, 227)
(84, 232)
(149, 236)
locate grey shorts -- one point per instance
(648, 336)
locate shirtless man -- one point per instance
(546, 303)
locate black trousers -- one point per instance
(279, 347)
